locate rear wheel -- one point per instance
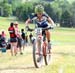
(37, 55)
(47, 56)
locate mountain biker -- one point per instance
(42, 20)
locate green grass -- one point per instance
(63, 53)
(63, 36)
(5, 23)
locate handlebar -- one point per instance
(29, 29)
(47, 28)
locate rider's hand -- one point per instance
(27, 28)
(51, 27)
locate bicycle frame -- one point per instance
(40, 47)
(41, 37)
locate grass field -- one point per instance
(63, 53)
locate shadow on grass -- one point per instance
(63, 53)
(17, 68)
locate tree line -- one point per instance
(61, 11)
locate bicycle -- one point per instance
(40, 47)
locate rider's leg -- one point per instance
(48, 38)
(48, 35)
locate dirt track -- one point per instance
(24, 64)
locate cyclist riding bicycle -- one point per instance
(42, 20)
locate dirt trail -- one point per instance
(24, 64)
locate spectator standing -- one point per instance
(18, 34)
(23, 38)
(30, 36)
(26, 38)
(13, 39)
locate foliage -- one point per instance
(23, 11)
(72, 9)
(15, 4)
(7, 10)
(56, 9)
(50, 0)
(66, 19)
(49, 10)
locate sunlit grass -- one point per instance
(63, 53)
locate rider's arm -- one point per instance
(50, 21)
(27, 27)
(30, 19)
(27, 21)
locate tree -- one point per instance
(49, 10)
(48, 0)
(72, 11)
(7, 9)
(24, 10)
(66, 19)
(57, 10)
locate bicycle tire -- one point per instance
(47, 57)
(37, 64)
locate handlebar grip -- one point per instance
(28, 29)
(47, 28)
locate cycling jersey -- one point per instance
(12, 32)
(43, 23)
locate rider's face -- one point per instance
(39, 15)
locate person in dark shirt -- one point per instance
(2, 41)
(23, 38)
(30, 36)
(26, 39)
(13, 39)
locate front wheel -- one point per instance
(37, 55)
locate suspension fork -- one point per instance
(39, 44)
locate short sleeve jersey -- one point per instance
(12, 32)
(43, 22)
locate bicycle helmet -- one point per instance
(39, 9)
